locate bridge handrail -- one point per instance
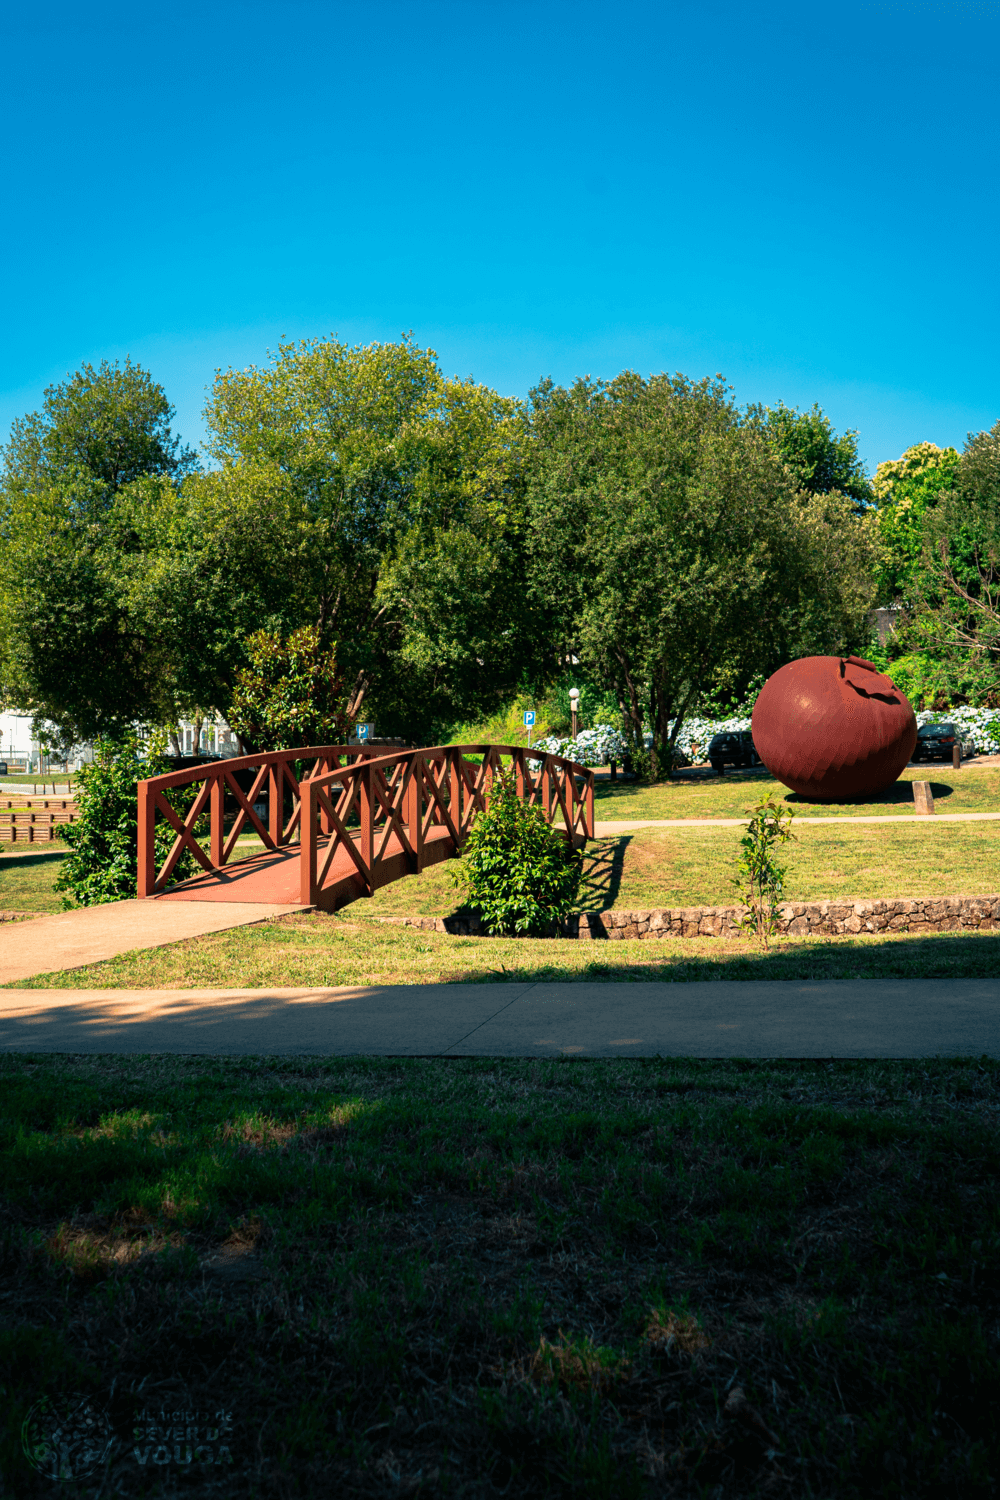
(389, 789)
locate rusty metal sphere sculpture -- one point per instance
(833, 728)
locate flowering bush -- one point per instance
(592, 747)
(693, 740)
(980, 724)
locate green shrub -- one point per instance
(103, 861)
(520, 875)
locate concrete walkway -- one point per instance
(626, 825)
(45, 945)
(715, 1018)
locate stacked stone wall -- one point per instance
(796, 918)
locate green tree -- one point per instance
(822, 460)
(905, 489)
(405, 521)
(289, 694)
(70, 650)
(674, 549)
(97, 431)
(952, 623)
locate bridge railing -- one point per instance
(407, 795)
(228, 795)
(350, 797)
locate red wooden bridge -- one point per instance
(336, 821)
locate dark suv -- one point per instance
(734, 748)
(937, 742)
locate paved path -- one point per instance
(625, 825)
(715, 1018)
(45, 945)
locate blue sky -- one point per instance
(803, 197)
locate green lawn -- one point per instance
(26, 879)
(565, 1279)
(729, 796)
(694, 867)
(654, 867)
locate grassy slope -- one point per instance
(694, 867)
(524, 1278)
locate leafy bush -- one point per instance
(520, 875)
(760, 880)
(103, 862)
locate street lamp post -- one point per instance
(574, 704)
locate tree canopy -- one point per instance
(673, 547)
(441, 544)
(821, 460)
(949, 635)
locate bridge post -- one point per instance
(414, 815)
(276, 798)
(215, 819)
(455, 791)
(146, 881)
(307, 837)
(366, 816)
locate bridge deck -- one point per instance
(274, 878)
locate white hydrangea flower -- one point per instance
(592, 747)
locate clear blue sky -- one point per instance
(804, 197)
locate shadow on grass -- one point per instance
(9, 860)
(603, 864)
(899, 792)
(971, 955)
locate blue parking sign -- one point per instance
(529, 717)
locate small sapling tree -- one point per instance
(760, 880)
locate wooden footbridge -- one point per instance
(337, 821)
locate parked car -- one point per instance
(734, 748)
(937, 742)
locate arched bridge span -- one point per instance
(336, 821)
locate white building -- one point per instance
(21, 750)
(18, 746)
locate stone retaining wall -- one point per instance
(836, 918)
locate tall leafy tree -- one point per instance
(951, 628)
(673, 546)
(69, 649)
(905, 490)
(821, 460)
(405, 526)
